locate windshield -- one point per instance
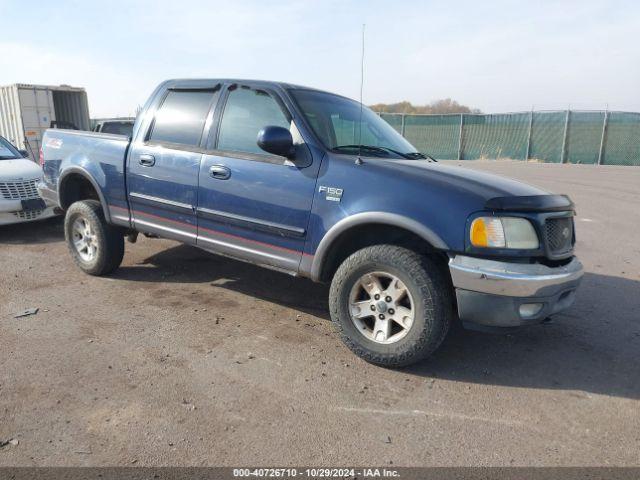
(336, 120)
(7, 151)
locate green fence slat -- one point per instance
(583, 137)
(436, 135)
(495, 136)
(622, 139)
(393, 119)
(547, 132)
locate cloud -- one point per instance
(110, 91)
(497, 56)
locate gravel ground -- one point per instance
(185, 358)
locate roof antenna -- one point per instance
(359, 158)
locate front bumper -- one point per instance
(501, 294)
(11, 212)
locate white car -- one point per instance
(19, 198)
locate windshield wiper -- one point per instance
(370, 148)
(421, 156)
(417, 156)
(385, 150)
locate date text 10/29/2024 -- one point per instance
(315, 472)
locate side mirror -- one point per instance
(24, 153)
(276, 140)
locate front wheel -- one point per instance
(96, 247)
(392, 306)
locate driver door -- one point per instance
(252, 204)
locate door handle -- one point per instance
(219, 172)
(147, 160)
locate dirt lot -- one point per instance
(184, 358)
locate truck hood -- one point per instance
(479, 184)
(19, 169)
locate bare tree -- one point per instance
(438, 106)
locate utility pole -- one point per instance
(604, 133)
(563, 154)
(460, 137)
(526, 156)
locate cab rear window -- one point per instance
(181, 117)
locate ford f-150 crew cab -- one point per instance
(313, 184)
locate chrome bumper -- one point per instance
(511, 279)
(493, 293)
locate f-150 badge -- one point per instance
(332, 194)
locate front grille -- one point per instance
(559, 235)
(23, 190)
(28, 215)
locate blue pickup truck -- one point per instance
(315, 185)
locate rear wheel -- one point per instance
(392, 306)
(96, 247)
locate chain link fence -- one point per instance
(571, 136)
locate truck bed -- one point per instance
(98, 157)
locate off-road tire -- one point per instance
(109, 239)
(430, 288)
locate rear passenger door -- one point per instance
(252, 204)
(164, 164)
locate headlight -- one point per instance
(503, 232)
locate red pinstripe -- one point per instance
(217, 232)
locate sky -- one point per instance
(497, 56)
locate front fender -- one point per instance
(359, 219)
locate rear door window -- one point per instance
(181, 117)
(246, 112)
(118, 128)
